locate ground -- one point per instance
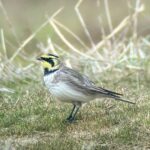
(31, 119)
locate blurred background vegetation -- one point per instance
(108, 40)
(103, 34)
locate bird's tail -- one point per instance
(119, 98)
(114, 95)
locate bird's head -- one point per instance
(49, 62)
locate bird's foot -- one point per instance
(70, 119)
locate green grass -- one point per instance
(111, 43)
(30, 119)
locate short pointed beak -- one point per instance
(39, 58)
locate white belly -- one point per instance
(64, 92)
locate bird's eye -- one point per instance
(51, 62)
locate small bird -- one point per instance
(68, 85)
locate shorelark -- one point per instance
(68, 85)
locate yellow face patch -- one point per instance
(49, 61)
(46, 64)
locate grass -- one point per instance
(31, 119)
(114, 54)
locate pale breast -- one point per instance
(63, 91)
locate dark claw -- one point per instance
(71, 120)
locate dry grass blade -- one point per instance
(71, 33)
(3, 43)
(63, 51)
(108, 15)
(9, 21)
(146, 42)
(115, 31)
(8, 90)
(51, 46)
(61, 36)
(24, 43)
(83, 23)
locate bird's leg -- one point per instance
(71, 119)
(70, 116)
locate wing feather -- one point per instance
(82, 84)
